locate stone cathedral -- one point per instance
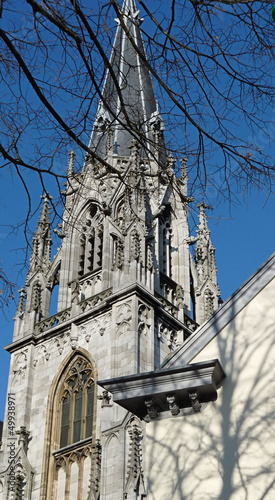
(97, 390)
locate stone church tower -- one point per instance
(129, 293)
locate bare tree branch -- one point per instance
(212, 66)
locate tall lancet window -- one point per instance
(72, 459)
(77, 402)
(91, 241)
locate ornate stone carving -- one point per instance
(169, 307)
(161, 330)
(124, 317)
(52, 321)
(166, 334)
(208, 302)
(71, 166)
(118, 254)
(105, 397)
(60, 462)
(58, 344)
(151, 410)
(106, 320)
(195, 402)
(149, 255)
(120, 214)
(190, 323)
(124, 313)
(74, 337)
(80, 373)
(144, 320)
(19, 469)
(173, 406)
(91, 239)
(179, 297)
(135, 475)
(20, 366)
(92, 302)
(89, 286)
(75, 289)
(94, 327)
(21, 304)
(41, 353)
(84, 333)
(94, 486)
(106, 188)
(123, 328)
(135, 250)
(23, 438)
(44, 351)
(172, 342)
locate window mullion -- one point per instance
(84, 414)
(77, 408)
(71, 425)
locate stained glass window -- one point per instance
(77, 403)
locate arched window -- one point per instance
(77, 401)
(72, 456)
(91, 242)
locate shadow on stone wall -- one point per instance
(228, 450)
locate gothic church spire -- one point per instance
(128, 108)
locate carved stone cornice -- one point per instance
(167, 392)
